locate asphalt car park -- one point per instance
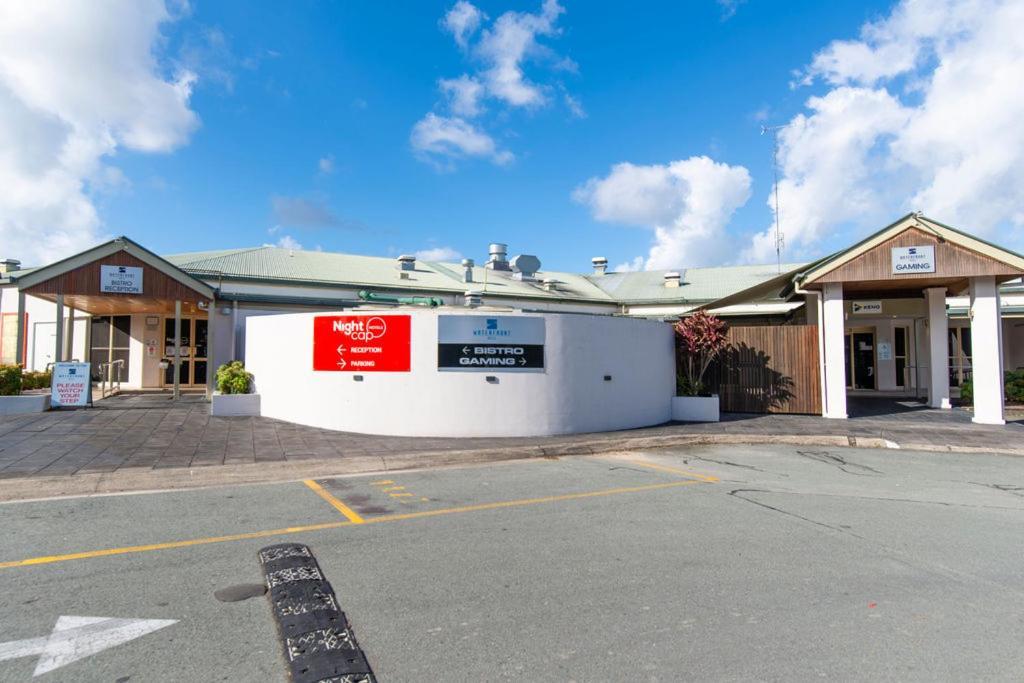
(715, 562)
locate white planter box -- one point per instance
(26, 403)
(695, 408)
(235, 405)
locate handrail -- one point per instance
(105, 378)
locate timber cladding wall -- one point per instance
(951, 260)
(768, 369)
(85, 280)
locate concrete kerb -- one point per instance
(205, 476)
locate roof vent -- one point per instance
(549, 284)
(9, 265)
(672, 278)
(525, 266)
(600, 265)
(498, 256)
(407, 262)
(467, 269)
(473, 299)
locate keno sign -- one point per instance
(907, 260)
(71, 385)
(361, 343)
(121, 279)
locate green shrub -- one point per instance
(1015, 386)
(232, 378)
(35, 380)
(10, 380)
(967, 392)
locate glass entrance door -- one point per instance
(860, 360)
(193, 351)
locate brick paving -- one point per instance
(153, 433)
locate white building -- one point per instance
(879, 328)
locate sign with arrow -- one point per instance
(74, 638)
(490, 343)
(361, 343)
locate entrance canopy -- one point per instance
(117, 277)
(913, 254)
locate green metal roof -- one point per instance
(294, 266)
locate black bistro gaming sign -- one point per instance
(490, 343)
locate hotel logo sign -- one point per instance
(907, 260)
(362, 343)
(490, 343)
(121, 279)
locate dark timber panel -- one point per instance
(769, 369)
(951, 261)
(85, 281)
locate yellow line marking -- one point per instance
(350, 514)
(50, 559)
(382, 482)
(166, 546)
(400, 495)
(529, 501)
(393, 488)
(665, 468)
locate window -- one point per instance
(960, 367)
(111, 336)
(900, 345)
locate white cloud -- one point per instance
(499, 54)
(922, 112)
(631, 266)
(686, 203)
(507, 44)
(437, 137)
(287, 242)
(462, 20)
(438, 254)
(326, 164)
(77, 85)
(464, 94)
(729, 8)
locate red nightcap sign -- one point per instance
(361, 343)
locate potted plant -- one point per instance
(234, 395)
(13, 383)
(700, 338)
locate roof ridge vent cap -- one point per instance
(600, 264)
(407, 262)
(497, 258)
(672, 278)
(525, 266)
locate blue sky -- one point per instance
(295, 124)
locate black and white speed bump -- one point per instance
(318, 642)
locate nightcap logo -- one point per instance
(122, 269)
(912, 250)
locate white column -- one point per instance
(211, 350)
(938, 347)
(987, 351)
(177, 350)
(58, 351)
(69, 342)
(833, 327)
(19, 353)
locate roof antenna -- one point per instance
(780, 239)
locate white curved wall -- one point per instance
(570, 396)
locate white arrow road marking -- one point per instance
(75, 638)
